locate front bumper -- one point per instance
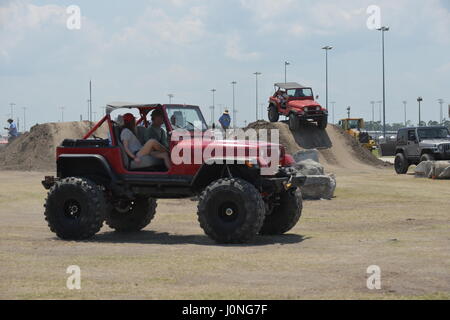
(284, 180)
(49, 182)
(312, 115)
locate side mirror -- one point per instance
(213, 126)
(317, 97)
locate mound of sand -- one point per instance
(336, 148)
(36, 150)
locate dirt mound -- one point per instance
(35, 150)
(337, 149)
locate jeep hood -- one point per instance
(433, 142)
(228, 144)
(300, 104)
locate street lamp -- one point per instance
(441, 102)
(24, 119)
(256, 75)
(333, 103)
(379, 109)
(212, 114)
(326, 48)
(262, 110)
(234, 104)
(62, 114)
(373, 112)
(419, 100)
(404, 104)
(214, 103)
(12, 105)
(286, 63)
(170, 97)
(383, 30)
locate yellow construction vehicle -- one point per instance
(355, 128)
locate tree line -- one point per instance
(378, 125)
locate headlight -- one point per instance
(318, 108)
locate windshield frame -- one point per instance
(294, 91)
(441, 129)
(181, 108)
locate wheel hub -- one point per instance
(72, 209)
(229, 212)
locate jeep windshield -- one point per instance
(300, 93)
(186, 118)
(433, 133)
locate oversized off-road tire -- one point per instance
(274, 116)
(322, 123)
(294, 122)
(285, 215)
(75, 209)
(401, 164)
(133, 216)
(231, 211)
(427, 157)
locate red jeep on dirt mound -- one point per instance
(96, 182)
(296, 102)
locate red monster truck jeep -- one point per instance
(296, 102)
(97, 182)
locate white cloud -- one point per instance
(234, 51)
(264, 9)
(19, 18)
(19, 15)
(155, 27)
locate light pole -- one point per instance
(379, 109)
(441, 102)
(12, 105)
(90, 100)
(89, 106)
(286, 63)
(383, 30)
(373, 112)
(170, 97)
(234, 104)
(234, 118)
(348, 111)
(404, 109)
(262, 110)
(419, 100)
(24, 120)
(214, 103)
(62, 114)
(333, 103)
(326, 48)
(256, 75)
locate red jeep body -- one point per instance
(296, 102)
(99, 160)
(96, 182)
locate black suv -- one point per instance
(418, 144)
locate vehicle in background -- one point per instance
(418, 144)
(3, 141)
(355, 128)
(296, 102)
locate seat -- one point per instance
(148, 163)
(141, 134)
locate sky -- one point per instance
(141, 51)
